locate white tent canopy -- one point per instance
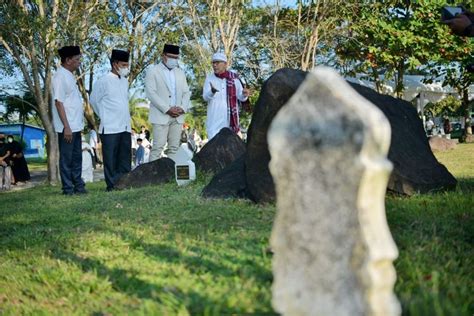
(414, 86)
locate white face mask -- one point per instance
(123, 72)
(171, 63)
(10, 140)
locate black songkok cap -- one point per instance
(171, 49)
(120, 55)
(69, 51)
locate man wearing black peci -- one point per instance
(109, 99)
(68, 114)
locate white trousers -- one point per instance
(166, 133)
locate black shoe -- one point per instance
(110, 189)
(81, 191)
(67, 193)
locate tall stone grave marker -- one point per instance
(333, 250)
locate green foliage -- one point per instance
(394, 37)
(449, 106)
(24, 107)
(139, 115)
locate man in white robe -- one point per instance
(222, 90)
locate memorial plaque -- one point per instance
(182, 172)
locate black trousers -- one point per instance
(116, 155)
(70, 163)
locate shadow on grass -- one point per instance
(126, 282)
(197, 264)
(466, 185)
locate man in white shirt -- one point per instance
(167, 89)
(109, 99)
(222, 90)
(68, 114)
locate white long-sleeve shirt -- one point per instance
(64, 89)
(109, 99)
(218, 115)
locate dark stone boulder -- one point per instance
(415, 167)
(229, 183)
(219, 152)
(276, 91)
(155, 172)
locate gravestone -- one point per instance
(155, 172)
(333, 250)
(441, 143)
(185, 169)
(229, 183)
(219, 152)
(415, 167)
(276, 91)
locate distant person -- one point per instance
(94, 143)
(144, 133)
(140, 155)
(109, 98)
(446, 126)
(429, 126)
(5, 170)
(134, 137)
(68, 114)
(222, 91)
(462, 24)
(167, 89)
(18, 162)
(87, 172)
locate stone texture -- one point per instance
(155, 172)
(229, 183)
(219, 152)
(415, 167)
(469, 138)
(276, 91)
(333, 250)
(441, 143)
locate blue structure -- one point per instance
(34, 138)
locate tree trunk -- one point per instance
(467, 112)
(51, 143)
(53, 157)
(399, 82)
(23, 122)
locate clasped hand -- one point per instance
(175, 111)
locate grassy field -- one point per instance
(165, 251)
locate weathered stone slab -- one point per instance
(155, 172)
(415, 167)
(219, 152)
(442, 144)
(229, 183)
(333, 250)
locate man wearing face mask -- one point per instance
(222, 91)
(167, 89)
(109, 99)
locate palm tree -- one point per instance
(138, 114)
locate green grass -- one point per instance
(37, 166)
(163, 250)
